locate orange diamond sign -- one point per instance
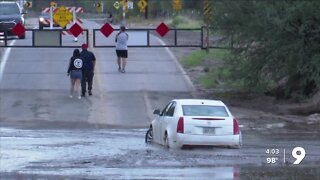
(162, 29)
(106, 29)
(62, 16)
(18, 29)
(76, 30)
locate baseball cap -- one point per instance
(84, 46)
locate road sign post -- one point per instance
(207, 39)
(207, 15)
(74, 20)
(123, 15)
(51, 17)
(143, 5)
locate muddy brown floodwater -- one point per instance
(123, 154)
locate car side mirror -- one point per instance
(157, 112)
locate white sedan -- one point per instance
(195, 122)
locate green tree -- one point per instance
(276, 42)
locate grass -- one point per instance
(190, 24)
(207, 80)
(220, 54)
(211, 75)
(184, 22)
(196, 58)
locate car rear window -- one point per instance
(204, 110)
(9, 8)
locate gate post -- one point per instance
(207, 39)
(5, 34)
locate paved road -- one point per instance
(35, 84)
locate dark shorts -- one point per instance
(122, 53)
(76, 74)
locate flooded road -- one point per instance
(46, 135)
(123, 154)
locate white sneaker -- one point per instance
(79, 97)
(70, 96)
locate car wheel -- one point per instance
(166, 141)
(149, 137)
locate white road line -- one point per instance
(4, 60)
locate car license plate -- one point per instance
(209, 130)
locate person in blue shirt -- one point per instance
(89, 61)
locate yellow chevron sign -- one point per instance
(207, 10)
(28, 4)
(142, 5)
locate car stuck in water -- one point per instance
(195, 122)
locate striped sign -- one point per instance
(207, 10)
(70, 9)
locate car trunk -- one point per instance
(210, 126)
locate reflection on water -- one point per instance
(122, 154)
(139, 173)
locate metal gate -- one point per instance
(138, 37)
(48, 38)
(193, 37)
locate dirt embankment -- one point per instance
(254, 106)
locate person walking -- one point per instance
(122, 49)
(89, 61)
(75, 73)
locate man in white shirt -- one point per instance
(122, 49)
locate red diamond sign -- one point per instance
(18, 29)
(106, 29)
(75, 30)
(162, 29)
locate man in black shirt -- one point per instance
(89, 61)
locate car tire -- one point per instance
(149, 135)
(166, 141)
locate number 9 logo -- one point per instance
(299, 157)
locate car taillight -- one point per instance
(236, 129)
(180, 126)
